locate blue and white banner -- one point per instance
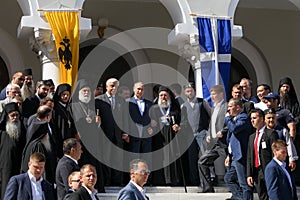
(215, 53)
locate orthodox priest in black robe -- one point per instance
(62, 118)
(83, 110)
(40, 139)
(166, 118)
(12, 142)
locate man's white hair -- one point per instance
(11, 85)
(112, 80)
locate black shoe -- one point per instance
(214, 181)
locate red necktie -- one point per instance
(256, 162)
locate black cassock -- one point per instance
(84, 117)
(63, 123)
(10, 156)
(165, 118)
(36, 131)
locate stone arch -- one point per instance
(249, 55)
(10, 53)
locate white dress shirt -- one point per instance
(36, 187)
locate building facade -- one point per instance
(265, 38)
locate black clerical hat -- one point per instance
(82, 83)
(10, 107)
(27, 72)
(164, 88)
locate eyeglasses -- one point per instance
(144, 172)
(78, 180)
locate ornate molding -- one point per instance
(43, 44)
(34, 17)
(190, 51)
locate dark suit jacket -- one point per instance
(30, 106)
(64, 168)
(130, 192)
(143, 120)
(238, 133)
(3, 94)
(248, 106)
(19, 188)
(81, 194)
(278, 185)
(265, 154)
(112, 120)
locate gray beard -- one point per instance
(84, 99)
(164, 103)
(27, 90)
(13, 129)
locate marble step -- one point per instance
(177, 193)
(169, 189)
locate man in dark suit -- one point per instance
(139, 174)
(110, 109)
(239, 129)
(66, 165)
(176, 89)
(32, 103)
(88, 177)
(139, 121)
(259, 152)
(20, 186)
(279, 183)
(237, 93)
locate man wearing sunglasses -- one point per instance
(74, 183)
(139, 174)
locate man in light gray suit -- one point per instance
(215, 140)
(139, 174)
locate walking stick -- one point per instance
(180, 161)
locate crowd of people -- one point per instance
(228, 141)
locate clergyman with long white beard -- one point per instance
(12, 142)
(83, 109)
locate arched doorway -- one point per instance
(116, 69)
(3, 74)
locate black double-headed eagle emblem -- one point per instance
(65, 54)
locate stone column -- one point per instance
(42, 43)
(34, 26)
(191, 52)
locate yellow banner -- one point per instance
(65, 28)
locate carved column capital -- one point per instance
(43, 44)
(191, 51)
